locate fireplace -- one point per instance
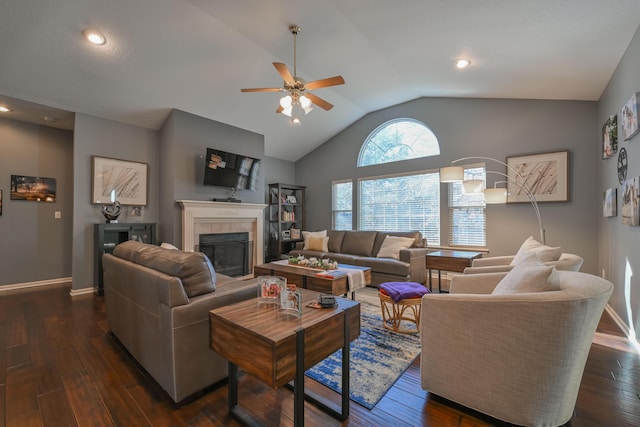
(230, 253)
(201, 217)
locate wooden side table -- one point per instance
(455, 261)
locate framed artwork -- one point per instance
(33, 188)
(610, 202)
(630, 201)
(292, 199)
(629, 117)
(546, 175)
(286, 234)
(121, 180)
(610, 137)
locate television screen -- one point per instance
(224, 169)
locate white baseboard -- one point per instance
(45, 283)
(623, 326)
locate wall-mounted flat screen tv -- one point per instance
(224, 169)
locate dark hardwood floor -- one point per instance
(60, 366)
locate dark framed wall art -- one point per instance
(33, 188)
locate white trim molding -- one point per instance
(199, 213)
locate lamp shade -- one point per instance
(471, 186)
(494, 196)
(452, 174)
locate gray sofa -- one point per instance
(157, 303)
(361, 247)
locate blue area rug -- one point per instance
(378, 358)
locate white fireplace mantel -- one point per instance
(195, 212)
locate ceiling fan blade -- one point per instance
(280, 109)
(331, 81)
(319, 101)
(262, 89)
(284, 73)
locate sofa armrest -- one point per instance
(494, 260)
(417, 263)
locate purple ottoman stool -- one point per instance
(401, 301)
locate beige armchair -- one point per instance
(497, 264)
(518, 357)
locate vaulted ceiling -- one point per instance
(196, 55)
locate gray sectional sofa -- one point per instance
(157, 305)
(362, 247)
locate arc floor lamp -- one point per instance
(495, 195)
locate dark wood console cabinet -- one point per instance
(108, 235)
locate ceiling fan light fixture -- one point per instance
(286, 101)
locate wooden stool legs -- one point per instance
(393, 313)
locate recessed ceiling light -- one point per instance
(462, 63)
(94, 36)
(5, 109)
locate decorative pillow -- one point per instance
(317, 244)
(391, 246)
(307, 234)
(531, 246)
(168, 246)
(530, 275)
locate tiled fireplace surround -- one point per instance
(201, 217)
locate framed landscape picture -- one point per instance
(629, 117)
(546, 175)
(121, 180)
(33, 188)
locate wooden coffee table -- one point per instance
(306, 278)
(455, 261)
(276, 347)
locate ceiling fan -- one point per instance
(299, 99)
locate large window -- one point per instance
(342, 205)
(401, 203)
(399, 139)
(467, 221)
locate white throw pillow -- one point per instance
(307, 234)
(391, 246)
(530, 275)
(542, 252)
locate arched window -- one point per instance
(398, 139)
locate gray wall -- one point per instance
(619, 245)
(34, 246)
(105, 138)
(184, 139)
(494, 128)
